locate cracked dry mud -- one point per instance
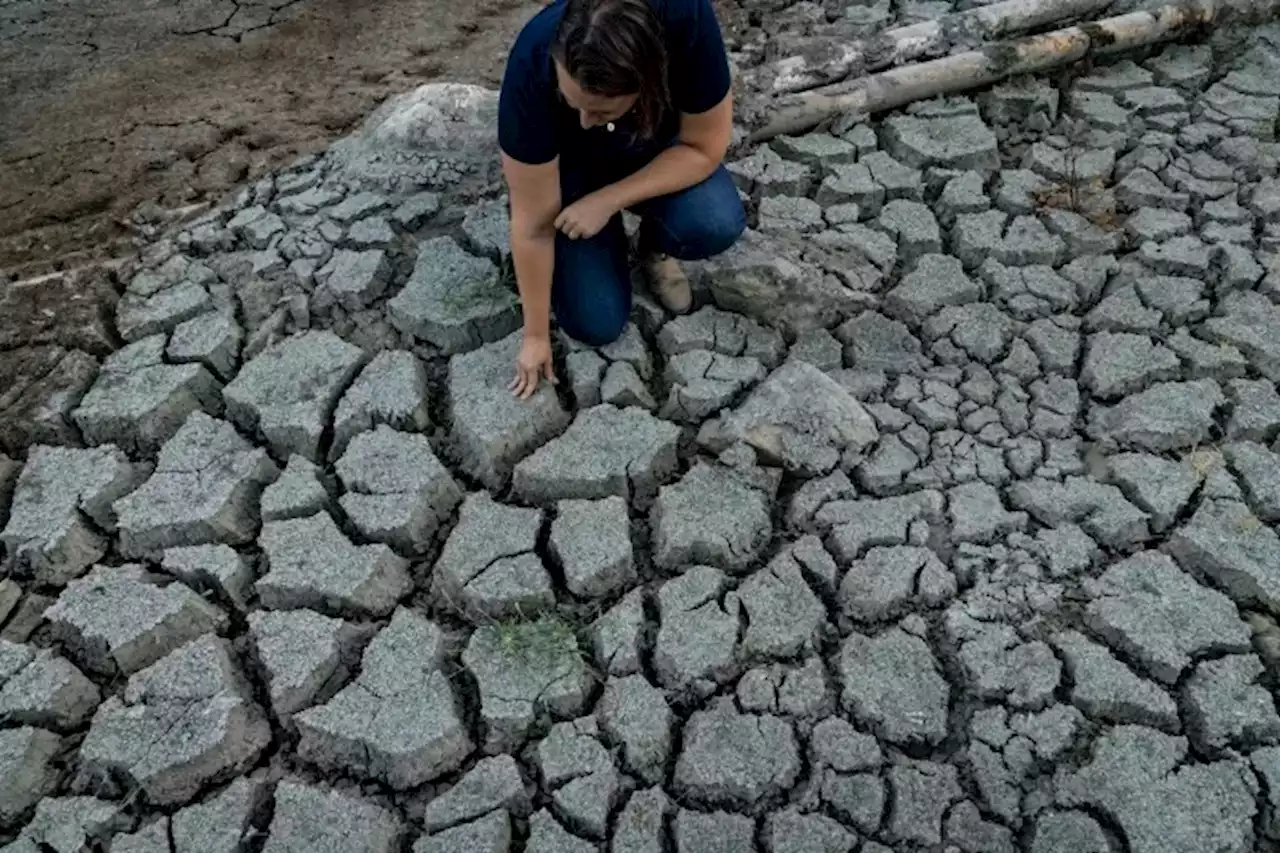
(949, 526)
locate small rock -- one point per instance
(296, 494)
(308, 818)
(311, 563)
(488, 567)
(399, 721)
(391, 390)
(592, 542)
(287, 393)
(454, 300)
(734, 759)
(713, 515)
(301, 653)
(491, 429)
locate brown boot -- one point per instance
(667, 282)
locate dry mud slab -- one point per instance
(947, 521)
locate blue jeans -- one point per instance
(591, 287)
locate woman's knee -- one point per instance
(594, 325)
(703, 221)
(591, 290)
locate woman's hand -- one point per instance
(586, 217)
(532, 364)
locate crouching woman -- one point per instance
(606, 106)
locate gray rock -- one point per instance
(767, 174)
(138, 402)
(491, 429)
(635, 714)
(70, 824)
(148, 308)
(454, 300)
(398, 492)
(1000, 666)
(492, 784)
(1259, 471)
(1255, 410)
(579, 771)
(923, 791)
(879, 586)
(966, 829)
(978, 515)
(713, 515)
(114, 621)
(1069, 832)
(489, 834)
(586, 373)
(488, 568)
(62, 504)
(205, 489)
(819, 348)
(1252, 325)
(1110, 692)
(782, 214)
(287, 393)
(416, 210)
(212, 339)
(311, 563)
(936, 282)
(525, 671)
(301, 653)
(856, 525)
(872, 341)
(214, 566)
(296, 494)
(713, 832)
(1100, 509)
(766, 278)
(310, 819)
(391, 390)
(851, 184)
(980, 330)
(153, 838)
(399, 722)
(898, 180)
(49, 692)
(956, 142)
(1149, 609)
(221, 824)
(697, 642)
(623, 386)
(800, 418)
(789, 831)
(27, 770)
(892, 683)
(721, 332)
(356, 279)
(641, 825)
(815, 149)
(592, 542)
(783, 615)
(357, 206)
(185, 721)
(1134, 778)
(617, 636)
(1266, 763)
(914, 227)
(1116, 365)
(546, 835)
(1226, 542)
(1159, 486)
(731, 759)
(702, 383)
(1227, 708)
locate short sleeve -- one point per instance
(700, 75)
(526, 120)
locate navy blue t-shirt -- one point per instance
(535, 125)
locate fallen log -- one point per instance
(924, 39)
(972, 69)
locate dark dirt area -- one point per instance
(113, 112)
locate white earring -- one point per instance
(609, 127)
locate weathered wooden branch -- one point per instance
(924, 39)
(899, 86)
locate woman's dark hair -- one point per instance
(613, 48)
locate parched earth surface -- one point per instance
(947, 522)
(111, 105)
